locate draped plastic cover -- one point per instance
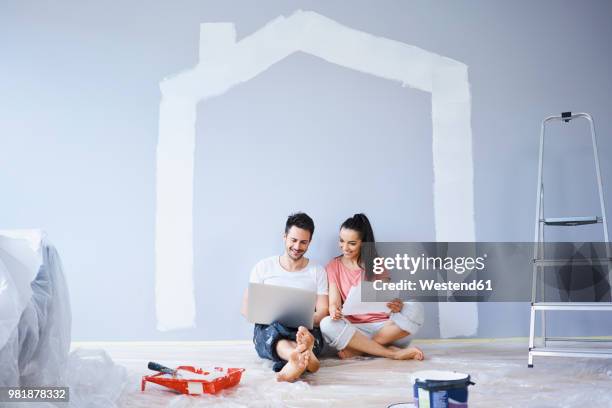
(35, 324)
(35, 313)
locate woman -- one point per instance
(379, 334)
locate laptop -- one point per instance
(292, 307)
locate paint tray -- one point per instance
(203, 381)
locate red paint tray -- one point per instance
(220, 378)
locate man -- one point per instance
(293, 350)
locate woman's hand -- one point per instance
(395, 305)
(335, 313)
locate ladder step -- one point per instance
(571, 221)
(571, 352)
(581, 339)
(573, 261)
(595, 306)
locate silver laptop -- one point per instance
(290, 306)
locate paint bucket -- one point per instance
(440, 389)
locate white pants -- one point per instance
(338, 333)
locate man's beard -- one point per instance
(294, 256)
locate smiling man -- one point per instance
(293, 350)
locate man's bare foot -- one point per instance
(304, 337)
(298, 361)
(408, 353)
(349, 353)
(313, 363)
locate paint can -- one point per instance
(440, 389)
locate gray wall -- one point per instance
(79, 102)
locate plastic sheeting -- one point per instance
(20, 260)
(499, 370)
(35, 328)
(95, 381)
(35, 324)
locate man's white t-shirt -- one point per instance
(270, 272)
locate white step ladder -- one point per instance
(540, 261)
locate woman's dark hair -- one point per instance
(300, 220)
(361, 224)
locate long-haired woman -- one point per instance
(380, 334)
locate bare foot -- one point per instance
(298, 360)
(313, 363)
(306, 340)
(304, 337)
(409, 353)
(349, 353)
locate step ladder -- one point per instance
(540, 262)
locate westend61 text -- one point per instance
(432, 285)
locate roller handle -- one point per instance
(162, 369)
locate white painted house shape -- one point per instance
(225, 63)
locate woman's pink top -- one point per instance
(345, 278)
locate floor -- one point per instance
(499, 369)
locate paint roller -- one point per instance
(162, 369)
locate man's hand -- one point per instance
(335, 313)
(395, 305)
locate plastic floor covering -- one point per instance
(499, 370)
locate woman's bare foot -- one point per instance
(408, 353)
(305, 339)
(349, 353)
(298, 361)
